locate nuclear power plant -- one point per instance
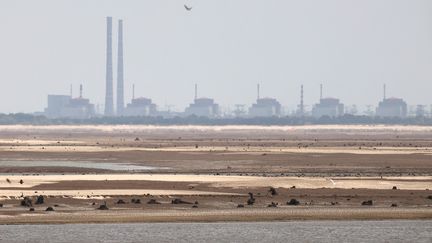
(265, 107)
(66, 106)
(330, 107)
(202, 106)
(391, 107)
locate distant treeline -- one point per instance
(28, 119)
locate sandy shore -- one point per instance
(198, 215)
(383, 183)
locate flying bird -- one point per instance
(187, 8)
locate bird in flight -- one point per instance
(187, 8)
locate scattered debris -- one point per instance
(103, 207)
(26, 202)
(120, 201)
(367, 203)
(40, 200)
(272, 205)
(153, 201)
(179, 201)
(251, 199)
(273, 191)
(136, 200)
(294, 202)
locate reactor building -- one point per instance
(64, 106)
(391, 107)
(265, 107)
(202, 107)
(330, 107)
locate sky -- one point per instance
(352, 47)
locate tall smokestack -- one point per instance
(133, 91)
(109, 101)
(258, 91)
(196, 91)
(301, 101)
(321, 89)
(120, 81)
(81, 90)
(384, 90)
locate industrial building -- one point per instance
(202, 107)
(56, 104)
(391, 107)
(327, 107)
(140, 107)
(265, 107)
(64, 106)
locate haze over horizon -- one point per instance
(227, 47)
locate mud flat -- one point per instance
(214, 173)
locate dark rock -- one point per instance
(367, 203)
(195, 206)
(137, 201)
(40, 199)
(240, 206)
(1, 205)
(103, 207)
(93, 203)
(394, 188)
(293, 187)
(294, 202)
(31, 209)
(273, 191)
(251, 199)
(179, 201)
(429, 197)
(394, 205)
(21, 182)
(196, 202)
(49, 209)
(26, 202)
(153, 201)
(120, 201)
(272, 205)
(137, 139)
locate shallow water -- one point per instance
(292, 231)
(78, 164)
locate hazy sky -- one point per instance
(226, 46)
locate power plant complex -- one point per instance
(66, 106)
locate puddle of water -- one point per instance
(80, 164)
